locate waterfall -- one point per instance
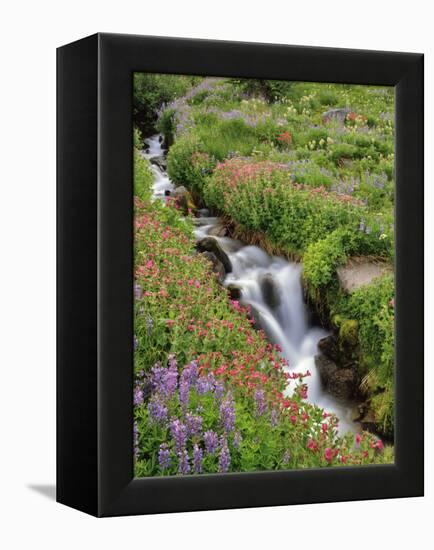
(272, 287)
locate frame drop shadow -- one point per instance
(48, 491)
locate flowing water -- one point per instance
(272, 287)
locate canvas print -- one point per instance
(263, 275)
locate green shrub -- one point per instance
(143, 177)
(262, 198)
(151, 91)
(188, 164)
(328, 98)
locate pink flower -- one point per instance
(149, 264)
(379, 445)
(328, 454)
(358, 439)
(312, 445)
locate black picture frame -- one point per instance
(95, 274)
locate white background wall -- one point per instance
(30, 32)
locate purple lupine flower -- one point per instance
(193, 423)
(190, 372)
(225, 456)
(211, 441)
(138, 396)
(205, 384)
(219, 389)
(274, 417)
(137, 291)
(237, 439)
(157, 378)
(184, 393)
(157, 411)
(260, 403)
(164, 459)
(184, 464)
(187, 379)
(170, 378)
(178, 431)
(227, 413)
(197, 459)
(136, 440)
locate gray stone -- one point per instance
(210, 244)
(336, 114)
(234, 291)
(270, 290)
(343, 384)
(217, 266)
(159, 161)
(329, 347)
(218, 231)
(359, 271)
(326, 368)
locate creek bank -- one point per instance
(339, 379)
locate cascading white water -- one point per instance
(272, 287)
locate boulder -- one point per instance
(234, 291)
(329, 347)
(255, 315)
(326, 368)
(336, 114)
(360, 271)
(368, 422)
(210, 244)
(270, 290)
(342, 384)
(203, 213)
(217, 266)
(218, 231)
(159, 161)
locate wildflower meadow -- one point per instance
(305, 173)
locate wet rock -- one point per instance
(326, 368)
(256, 318)
(359, 412)
(159, 161)
(270, 291)
(210, 244)
(203, 213)
(343, 384)
(329, 347)
(368, 422)
(234, 291)
(217, 266)
(218, 231)
(336, 114)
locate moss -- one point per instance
(349, 332)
